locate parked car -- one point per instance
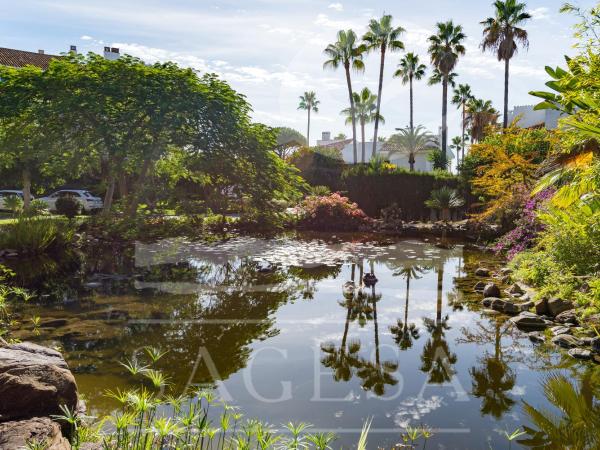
(4, 193)
(86, 199)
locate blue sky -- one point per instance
(271, 50)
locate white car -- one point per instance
(4, 193)
(87, 201)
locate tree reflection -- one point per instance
(404, 333)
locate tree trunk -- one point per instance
(308, 130)
(411, 161)
(135, 199)
(464, 127)
(445, 117)
(362, 132)
(440, 288)
(412, 123)
(506, 70)
(406, 304)
(376, 325)
(381, 67)
(349, 82)
(26, 189)
(110, 192)
(123, 190)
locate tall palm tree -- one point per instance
(382, 36)
(445, 47)
(309, 102)
(365, 110)
(347, 52)
(411, 141)
(410, 69)
(480, 115)
(462, 96)
(502, 33)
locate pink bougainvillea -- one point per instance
(332, 213)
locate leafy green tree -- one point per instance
(410, 142)
(502, 33)
(445, 47)
(462, 96)
(384, 37)
(365, 110)
(288, 141)
(309, 102)
(347, 52)
(410, 69)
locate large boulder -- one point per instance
(515, 290)
(39, 430)
(580, 353)
(567, 317)
(529, 322)
(566, 341)
(34, 381)
(482, 272)
(558, 305)
(541, 307)
(491, 290)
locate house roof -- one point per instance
(20, 58)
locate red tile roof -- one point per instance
(21, 58)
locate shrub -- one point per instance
(332, 213)
(68, 207)
(36, 208)
(14, 203)
(36, 235)
(444, 199)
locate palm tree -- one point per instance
(480, 115)
(437, 77)
(445, 47)
(462, 96)
(444, 199)
(502, 33)
(347, 53)
(411, 141)
(365, 112)
(309, 102)
(382, 36)
(409, 69)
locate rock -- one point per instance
(487, 302)
(479, 287)
(22, 434)
(505, 279)
(526, 306)
(558, 330)
(596, 358)
(511, 308)
(515, 290)
(580, 353)
(586, 340)
(567, 318)
(34, 381)
(536, 337)
(53, 323)
(596, 345)
(497, 304)
(529, 321)
(490, 312)
(541, 307)
(482, 272)
(91, 446)
(566, 341)
(506, 271)
(491, 290)
(558, 305)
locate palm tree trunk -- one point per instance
(349, 82)
(381, 67)
(440, 287)
(406, 304)
(464, 126)
(346, 327)
(412, 123)
(376, 326)
(362, 132)
(506, 70)
(445, 117)
(26, 188)
(308, 130)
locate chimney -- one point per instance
(326, 136)
(73, 49)
(111, 54)
(41, 52)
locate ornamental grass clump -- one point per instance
(332, 213)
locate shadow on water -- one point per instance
(250, 317)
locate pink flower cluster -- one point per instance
(332, 213)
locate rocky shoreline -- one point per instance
(554, 321)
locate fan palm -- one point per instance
(382, 36)
(365, 110)
(436, 78)
(462, 96)
(410, 69)
(444, 199)
(502, 33)
(411, 141)
(348, 53)
(309, 102)
(445, 47)
(480, 115)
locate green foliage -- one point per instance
(439, 159)
(320, 166)
(444, 198)
(14, 203)
(36, 235)
(68, 207)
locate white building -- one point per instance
(530, 118)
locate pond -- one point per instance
(286, 329)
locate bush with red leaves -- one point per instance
(332, 213)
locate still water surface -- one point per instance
(286, 330)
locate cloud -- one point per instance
(323, 20)
(541, 13)
(85, 37)
(336, 6)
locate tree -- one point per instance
(445, 47)
(288, 141)
(309, 102)
(502, 33)
(410, 142)
(444, 199)
(462, 96)
(347, 53)
(480, 114)
(382, 36)
(365, 111)
(409, 69)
